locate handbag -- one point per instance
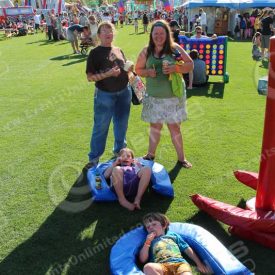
(138, 89)
(135, 100)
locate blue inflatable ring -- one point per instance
(160, 181)
(208, 247)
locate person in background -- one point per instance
(145, 22)
(83, 20)
(198, 76)
(93, 28)
(257, 42)
(257, 23)
(72, 36)
(267, 31)
(37, 22)
(203, 20)
(136, 26)
(175, 28)
(48, 18)
(198, 33)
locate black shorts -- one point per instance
(36, 26)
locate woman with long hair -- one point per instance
(156, 62)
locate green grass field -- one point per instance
(47, 220)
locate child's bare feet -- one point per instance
(130, 206)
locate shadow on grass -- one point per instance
(212, 89)
(78, 243)
(73, 58)
(173, 173)
(38, 41)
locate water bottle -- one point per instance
(138, 87)
(98, 185)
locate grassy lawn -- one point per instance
(46, 217)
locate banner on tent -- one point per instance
(143, 2)
(19, 11)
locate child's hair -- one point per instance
(85, 28)
(257, 34)
(126, 150)
(164, 221)
(106, 24)
(194, 54)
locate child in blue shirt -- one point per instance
(163, 249)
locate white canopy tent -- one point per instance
(233, 5)
(6, 3)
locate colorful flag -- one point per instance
(120, 6)
(166, 5)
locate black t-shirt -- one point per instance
(145, 19)
(102, 59)
(176, 35)
(266, 22)
(77, 27)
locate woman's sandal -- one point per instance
(185, 164)
(149, 156)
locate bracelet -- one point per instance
(147, 243)
(178, 68)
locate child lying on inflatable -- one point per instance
(163, 249)
(128, 179)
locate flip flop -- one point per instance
(149, 157)
(185, 164)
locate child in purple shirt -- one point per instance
(128, 179)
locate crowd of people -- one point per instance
(258, 26)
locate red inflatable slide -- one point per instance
(258, 221)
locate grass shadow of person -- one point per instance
(212, 89)
(77, 237)
(80, 60)
(173, 173)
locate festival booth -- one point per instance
(221, 13)
(212, 51)
(217, 11)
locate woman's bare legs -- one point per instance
(176, 137)
(155, 130)
(191, 76)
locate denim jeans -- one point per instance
(108, 106)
